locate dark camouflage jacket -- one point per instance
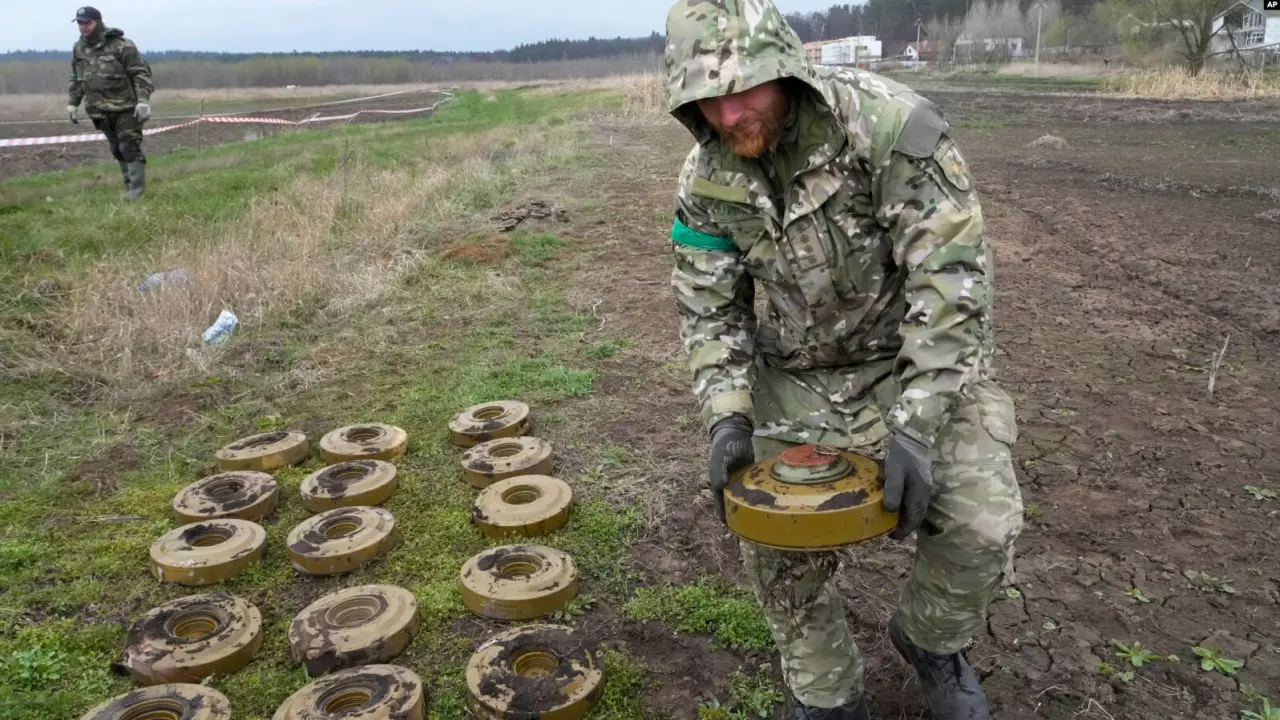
(873, 260)
(108, 74)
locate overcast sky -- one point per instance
(286, 25)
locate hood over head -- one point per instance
(720, 47)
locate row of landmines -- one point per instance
(347, 639)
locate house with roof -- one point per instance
(1253, 28)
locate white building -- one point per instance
(1254, 29)
(852, 50)
(967, 46)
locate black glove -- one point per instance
(730, 451)
(908, 483)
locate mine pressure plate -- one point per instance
(495, 460)
(190, 638)
(490, 421)
(371, 692)
(535, 671)
(528, 505)
(341, 540)
(348, 484)
(161, 702)
(267, 452)
(243, 495)
(809, 498)
(374, 441)
(365, 625)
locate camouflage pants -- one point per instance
(963, 553)
(124, 135)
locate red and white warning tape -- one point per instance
(229, 119)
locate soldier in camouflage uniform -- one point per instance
(843, 195)
(111, 77)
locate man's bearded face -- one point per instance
(749, 121)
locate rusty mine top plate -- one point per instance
(809, 498)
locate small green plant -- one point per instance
(1208, 583)
(1111, 672)
(267, 423)
(1212, 660)
(1012, 593)
(608, 348)
(1262, 494)
(1032, 511)
(1135, 654)
(755, 695)
(576, 608)
(713, 710)
(1137, 595)
(35, 666)
(1265, 712)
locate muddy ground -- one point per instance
(19, 161)
(1125, 262)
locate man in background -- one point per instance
(109, 74)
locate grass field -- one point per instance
(373, 286)
(325, 243)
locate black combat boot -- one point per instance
(137, 182)
(124, 173)
(951, 687)
(856, 710)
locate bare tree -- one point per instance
(1192, 20)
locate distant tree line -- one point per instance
(544, 51)
(47, 71)
(51, 76)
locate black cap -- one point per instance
(86, 13)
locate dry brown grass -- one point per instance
(643, 95)
(1176, 84)
(339, 242)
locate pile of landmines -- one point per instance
(348, 639)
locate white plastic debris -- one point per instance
(222, 328)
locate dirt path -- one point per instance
(1123, 265)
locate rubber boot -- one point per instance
(856, 710)
(137, 180)
(951, 687)
(124, 173)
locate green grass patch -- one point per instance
(625, 683)
(730, 615)
(751, 696)
(609, 348)
(536, 249)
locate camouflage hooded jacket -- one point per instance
(108, 73)
(872, 256)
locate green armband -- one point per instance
(684, 235)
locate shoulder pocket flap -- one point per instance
(952, 164)
(705, 188)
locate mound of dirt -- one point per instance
(1052, 142)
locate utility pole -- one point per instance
(919, 23)
(1039, 20)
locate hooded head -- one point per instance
(721, 47)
